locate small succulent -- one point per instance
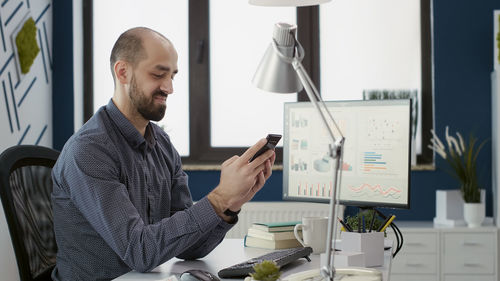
(266, 271)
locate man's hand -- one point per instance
(241, 179)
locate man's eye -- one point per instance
(158, 75)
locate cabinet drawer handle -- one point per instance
(470, 243)
(413, 264)
(469, 264)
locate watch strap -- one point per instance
(230, 213)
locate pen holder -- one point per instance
(371, 244)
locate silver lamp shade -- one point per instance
(276, 75)
(275, 72)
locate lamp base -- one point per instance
(343, 274)
(345, 259)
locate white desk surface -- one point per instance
(230, 252)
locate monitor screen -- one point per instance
(376, 157)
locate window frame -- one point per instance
(201, 153)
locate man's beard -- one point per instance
(145, 107)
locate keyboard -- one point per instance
(280, 257)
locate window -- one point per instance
(237, 44)
(383, 58)
(129, 14)
(220, 44)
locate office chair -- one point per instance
(25, 188)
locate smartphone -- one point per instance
(272, 141)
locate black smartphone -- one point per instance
(272, 141)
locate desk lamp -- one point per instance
(281, 71)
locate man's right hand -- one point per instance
(240, 179)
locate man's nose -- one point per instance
(167, 86)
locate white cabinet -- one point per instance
(467, 278)
(469, 253)
(443, 253)
(419, 257)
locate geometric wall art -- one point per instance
(25, 98)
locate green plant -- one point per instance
(368, 214)
(461, 157)
(266, 271)
(26, 44)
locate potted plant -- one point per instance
(265, 271)
(353, 221)
(462, 157)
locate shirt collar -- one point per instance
(133, 137)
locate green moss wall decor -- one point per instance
(27, 46)
(498, 39)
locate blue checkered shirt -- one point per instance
(121, 202)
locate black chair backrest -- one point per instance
(25, 188)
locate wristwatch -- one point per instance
(233, 215)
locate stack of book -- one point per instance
(276, 235)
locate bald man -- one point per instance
(121, 199)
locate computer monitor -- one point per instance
(376, 157)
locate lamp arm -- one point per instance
(312, 92)
(328, 270)
(318, 98)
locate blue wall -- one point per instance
(463, 60)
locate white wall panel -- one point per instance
(25, 100)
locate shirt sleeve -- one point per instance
(181, 199)
(206, 244)
(91, 177)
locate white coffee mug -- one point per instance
(314, 231)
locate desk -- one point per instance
(230, 252)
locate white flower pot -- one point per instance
(474, 214)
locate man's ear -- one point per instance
(122, 72)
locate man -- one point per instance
(121, 199)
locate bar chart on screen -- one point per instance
(314, 189)
(373, 161)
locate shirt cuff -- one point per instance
(205, 215)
